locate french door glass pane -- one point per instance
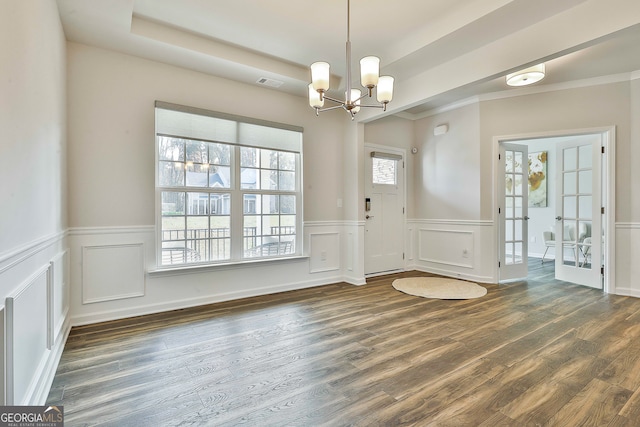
(585, 180)
(570, 183)
(585, 207)
(570, 159)
(585, 157)
(569, 207)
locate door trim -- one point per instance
(608, 173)
(403, 153)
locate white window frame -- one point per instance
(237, 253)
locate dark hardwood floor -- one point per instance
(532, 353)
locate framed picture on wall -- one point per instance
(538, 179)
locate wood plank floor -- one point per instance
(533, 353)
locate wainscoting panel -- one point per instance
(59, 299)
(111, 272)
(454, 248)
(27, 340)
(325, 252)
(410, 245)
(627, 254)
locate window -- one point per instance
(228, 188)
(384, 167)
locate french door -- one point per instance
(578, 213)
(513, 210)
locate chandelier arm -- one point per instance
(372, 106)
(362, 96)
(333, 99)
(329, 108)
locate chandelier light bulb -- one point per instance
(314, 98)
(320, 76)
(369, 71)
(355, 100)
(385, 89)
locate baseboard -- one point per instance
(352, 280)
(627, 292)
(40, 394)
(455, 274)
(142, 310)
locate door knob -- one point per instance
(526, 218)
(369, 216)
(559, 218)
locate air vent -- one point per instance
(269, 82)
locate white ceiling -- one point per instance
(246, 40)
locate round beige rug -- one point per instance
(439, 287)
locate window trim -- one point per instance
(236, 206)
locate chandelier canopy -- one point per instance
(369, 78)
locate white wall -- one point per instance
(628, 228)
(111, 172)
(559, 111)
(450, 198)
(33, 216)
(446, 234)
(453, 229)
(447, 166)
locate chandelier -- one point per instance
(369, 78)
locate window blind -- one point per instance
(195, 123)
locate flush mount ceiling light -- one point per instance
(527, 76)
(369, 78)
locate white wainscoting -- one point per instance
(35, 321)
(27, 337)
(325, 248)
(627, 255)
(353, 249)
(59, 295)
(93, 298)
(111, 272)
(461, 249)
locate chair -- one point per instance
(549, 242)
(568, 241)
(586, 251)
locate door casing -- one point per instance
(401, 227)
(608, 173)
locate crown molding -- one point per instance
(523, 91)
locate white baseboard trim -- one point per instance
(455, 274)
(352, 280)
(627, 292)
(43, 387)
(142, 310)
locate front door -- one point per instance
(513, 210)
(384, 211)
(578, 216)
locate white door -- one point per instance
(513, 210)
(384, 211)
(578, 212)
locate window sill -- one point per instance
(200, 268)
